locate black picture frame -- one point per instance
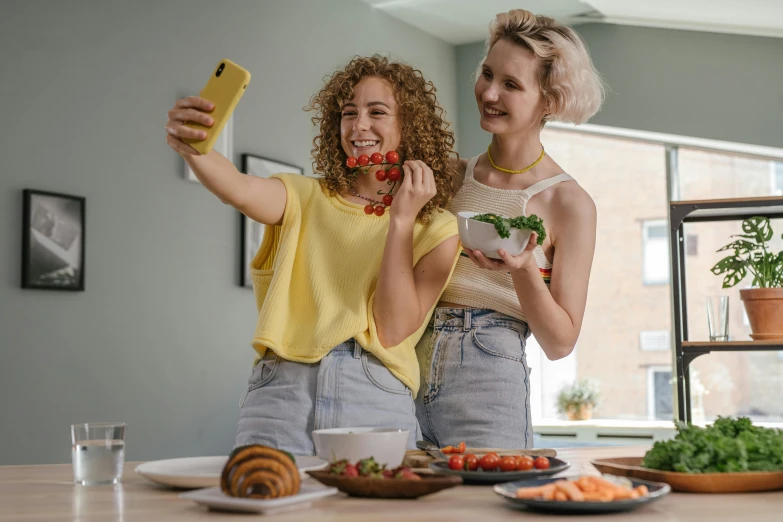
(252, 231)
(53, 241)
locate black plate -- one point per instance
(496, 477)
(508, 491)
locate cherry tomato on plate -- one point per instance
(489, 462)
(524, 463)
(456, 462)
(471, 462)
(541, 463)
(508, 464)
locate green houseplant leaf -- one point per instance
(735, 268)
(740, 246)
(750, 254)
(757, 228)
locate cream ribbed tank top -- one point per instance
(479, 288)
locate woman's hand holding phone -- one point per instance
(190, 109)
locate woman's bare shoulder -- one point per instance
(573, 202)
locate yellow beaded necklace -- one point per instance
(507, 171)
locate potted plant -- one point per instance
(578, 399)
(750, 254)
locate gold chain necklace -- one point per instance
(507, 171)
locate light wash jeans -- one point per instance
(285, 401)
(475, 384)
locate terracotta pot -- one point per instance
(580, 412)
(764, 307)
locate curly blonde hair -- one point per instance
(572, 88)
(425, 135)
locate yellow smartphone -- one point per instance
(224, 89)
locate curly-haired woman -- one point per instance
(475, 379)
(343, 296)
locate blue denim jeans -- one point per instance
(285, 401)
(475, 384)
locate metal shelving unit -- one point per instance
(680, 213)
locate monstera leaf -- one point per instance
(735, 268)
(757, 228)
(740, 246)
(750, 254)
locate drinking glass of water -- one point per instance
(718, 317)
(98, 452)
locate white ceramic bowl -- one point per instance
(386, 445)
(477, 235)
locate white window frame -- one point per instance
(651, 370)
(776, 188)
(646, 225)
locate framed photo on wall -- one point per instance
(252, 231)
(52, 241)
(223, 145)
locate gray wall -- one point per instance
(160, 338)
(707, 85)
(472, 139)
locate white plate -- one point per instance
(216, 499)
(204, 472)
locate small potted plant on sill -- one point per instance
(750, 254)
(578, 399)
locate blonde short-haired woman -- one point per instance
(475, 379)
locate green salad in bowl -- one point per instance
(489, 233)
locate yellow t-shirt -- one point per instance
(314, 278)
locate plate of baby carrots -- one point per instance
(586, 494)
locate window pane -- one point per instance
(664, 396)
(627, 181)
(656, 232)
(701, 282)
(741, 383)
(656, 261)
(778, 189)
(714, 175)
(745, 383)
(547, 378)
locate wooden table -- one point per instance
(46, 493)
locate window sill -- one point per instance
(601, 431)
(561, 433)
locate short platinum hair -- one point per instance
(572, 88)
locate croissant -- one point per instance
(257, 471)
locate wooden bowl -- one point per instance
(386, 488)
(743, 482)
